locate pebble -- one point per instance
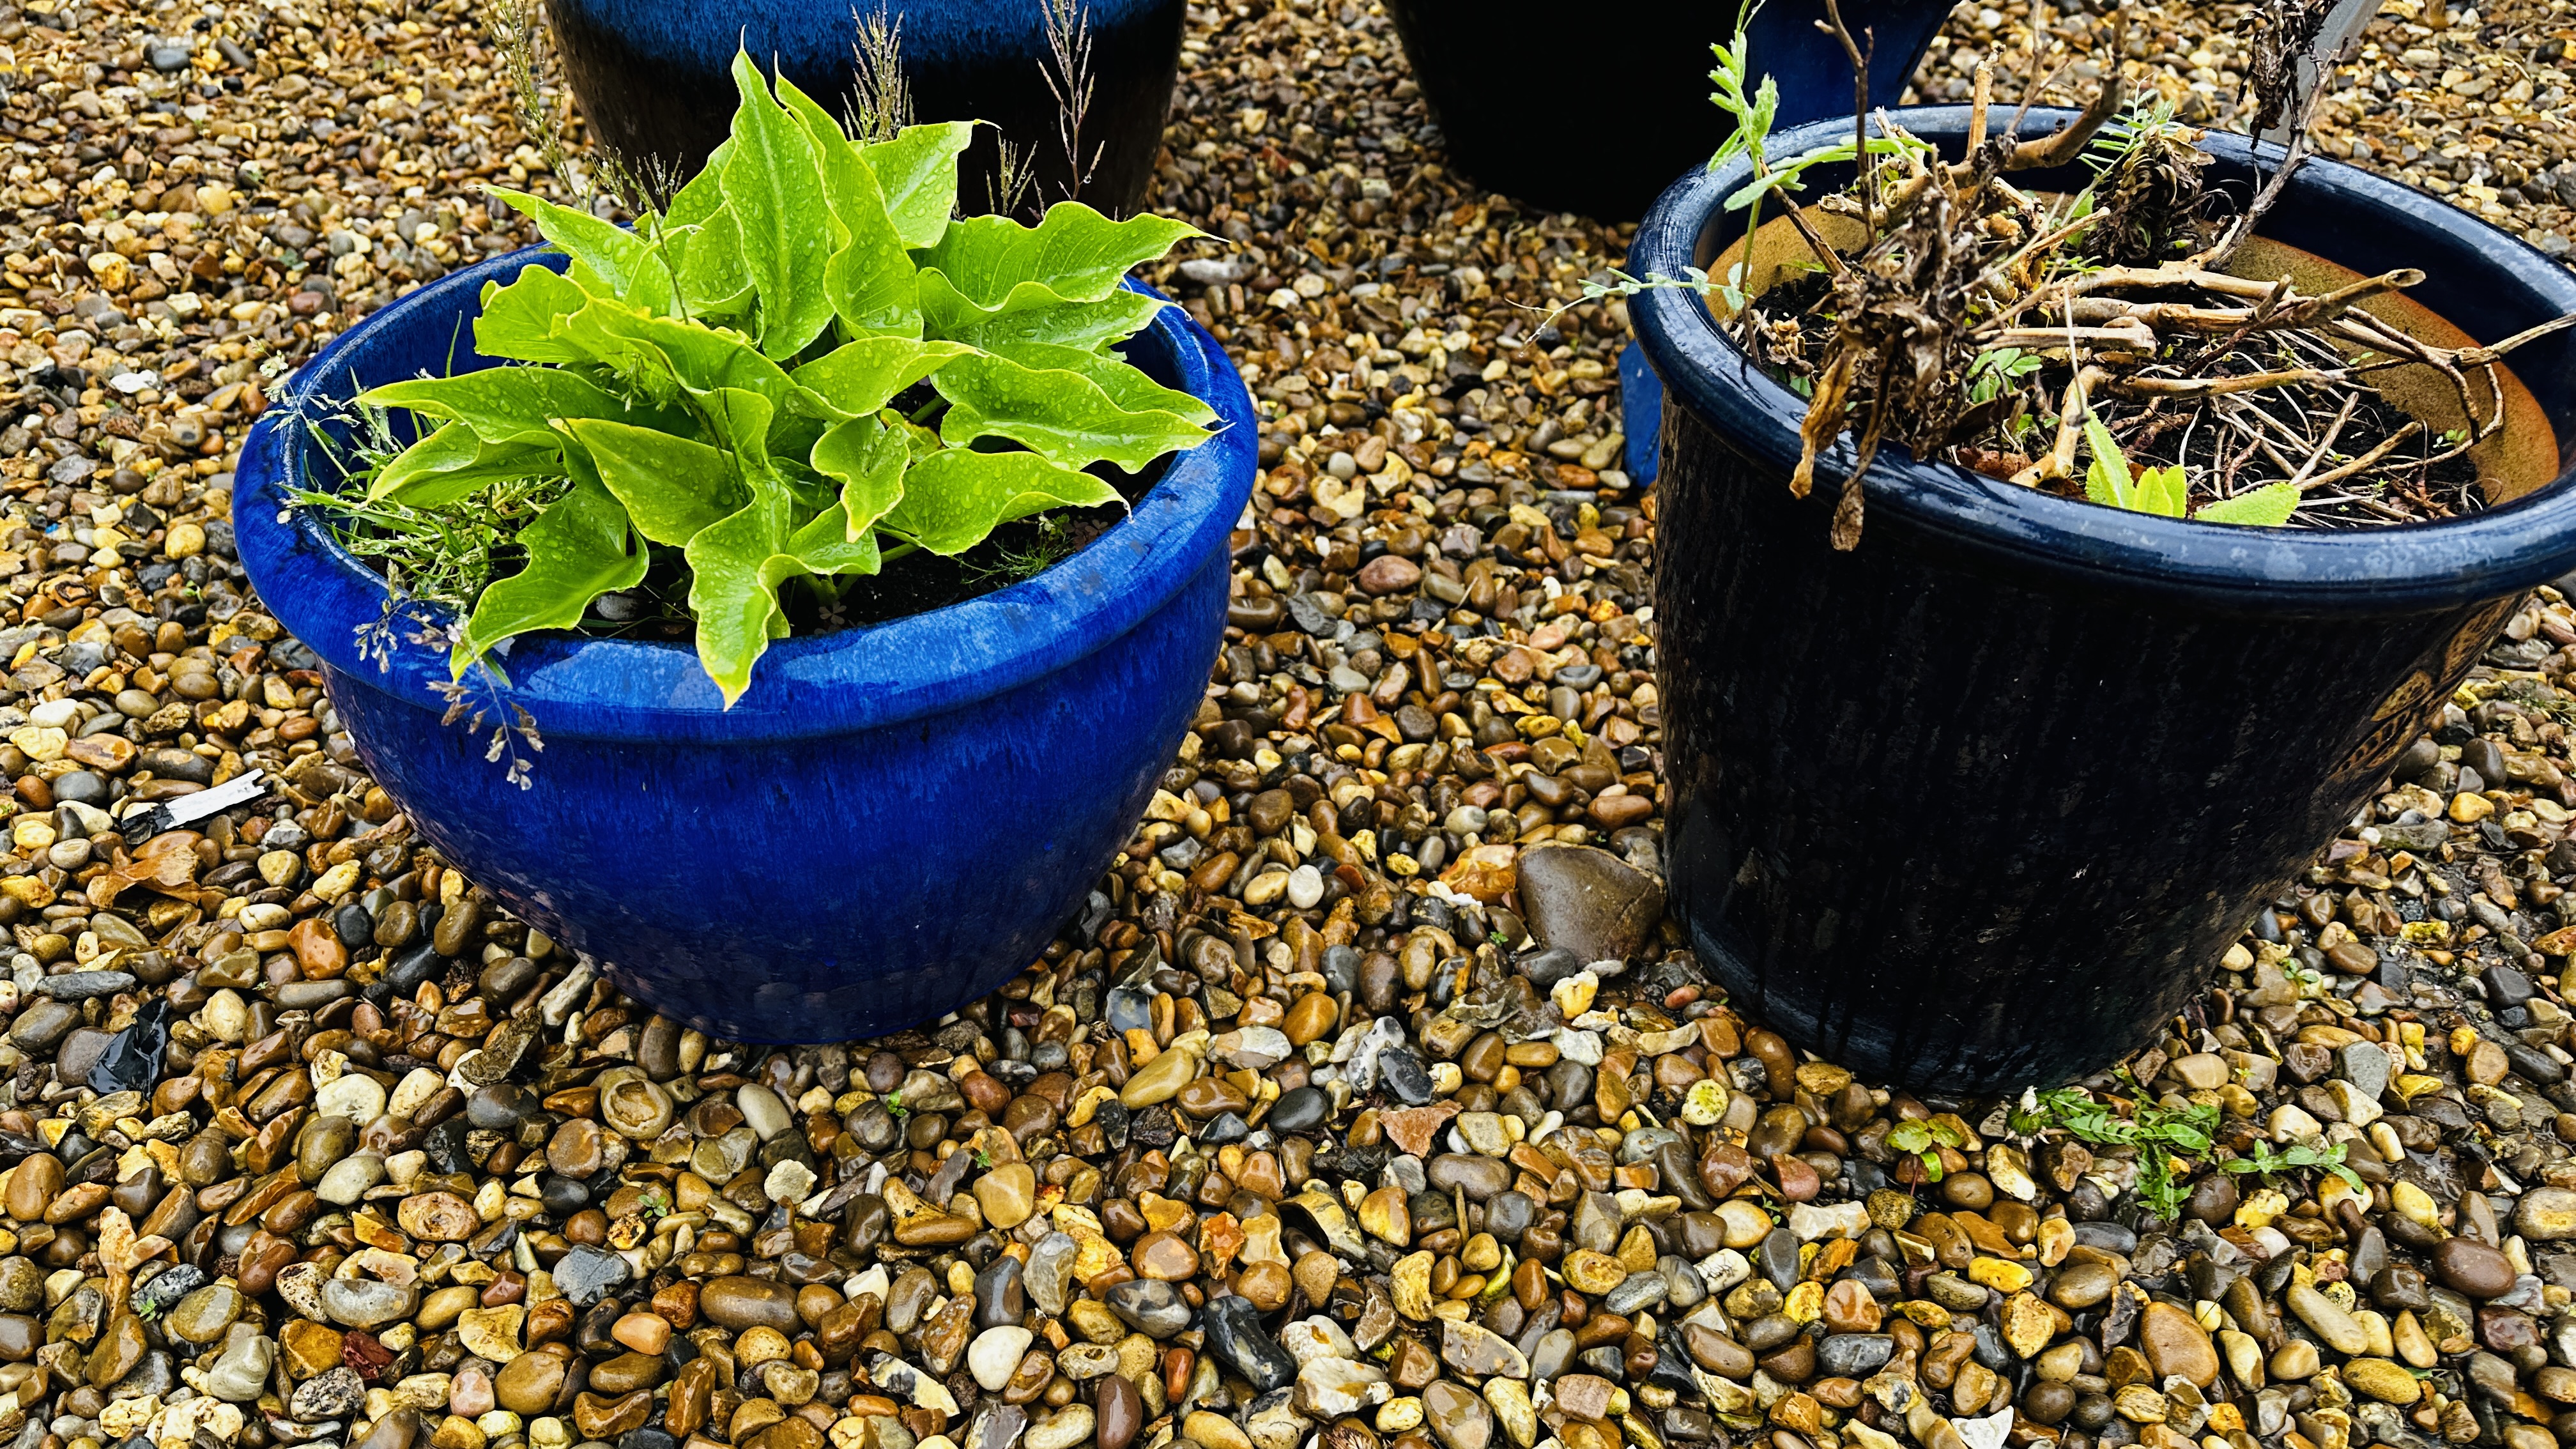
(995, 1353)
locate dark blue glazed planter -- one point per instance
(1979, 804)
(890, 823)
(1509, 115)
(653, 76)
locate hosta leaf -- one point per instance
(520, 320)
(774, 183)
(1126, 384)
(1033, 314)
(1073, 251)
(843, 174)
(857, 378)
(2269, 506)
(873, 288)
(918, 171)
(671, 487)
(741, 420)
(736, 566)
(953, 499)
(706, 266)
(663, 357)
(867, 458)
(1061, 415)
(577, 551)
(698, 200)
(624, 261)
(452, 463)
(502, 404)
(870, 275)
(825, 546)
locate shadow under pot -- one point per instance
(653, 79)
(1980, 804)
(1511, 110)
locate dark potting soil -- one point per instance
(2227, 444)
(916, 583)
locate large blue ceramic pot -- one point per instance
(652, 76)
(890, 823)
(1979, 804)
(1513, 122)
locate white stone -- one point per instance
(1812, 1221)
(1578, 1046)
(1309, 1339)
(1305, 887)
(1062, 1429)
(1253, 1048)
(2291, 1123)
(414, 1091)
(1328, 1388)
(348, 1179)
(1724, 1269)
(996, 1353)
(182, 1422)
(789, 1181)
(353, 1095)
(2359, 1110)
(761, 1110)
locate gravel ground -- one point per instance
(1318, 1127)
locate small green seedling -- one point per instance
(2167, 492)
(2298, 1156)
(2159, 1135)
(1924, 1141)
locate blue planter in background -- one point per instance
(890, 823)
(653, 76)
(1510, 118)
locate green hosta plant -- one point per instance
(722, 382)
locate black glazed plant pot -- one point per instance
(653, 76)
(1497, 93)
(1979, 804)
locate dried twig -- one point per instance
(1968, 311)
(2366, 461)
(2062, 148)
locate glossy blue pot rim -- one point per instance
(2386, 571)
(856, 679)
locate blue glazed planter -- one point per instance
(1506, 129)
(652, 76)
(1979, 804)
(890, 823)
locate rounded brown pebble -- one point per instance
(1310, 1018)
(529, 1383)
(738, 1302)
(34, 1185)
(2471, 1267)
(1165, 1256)
(1119, 1412)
